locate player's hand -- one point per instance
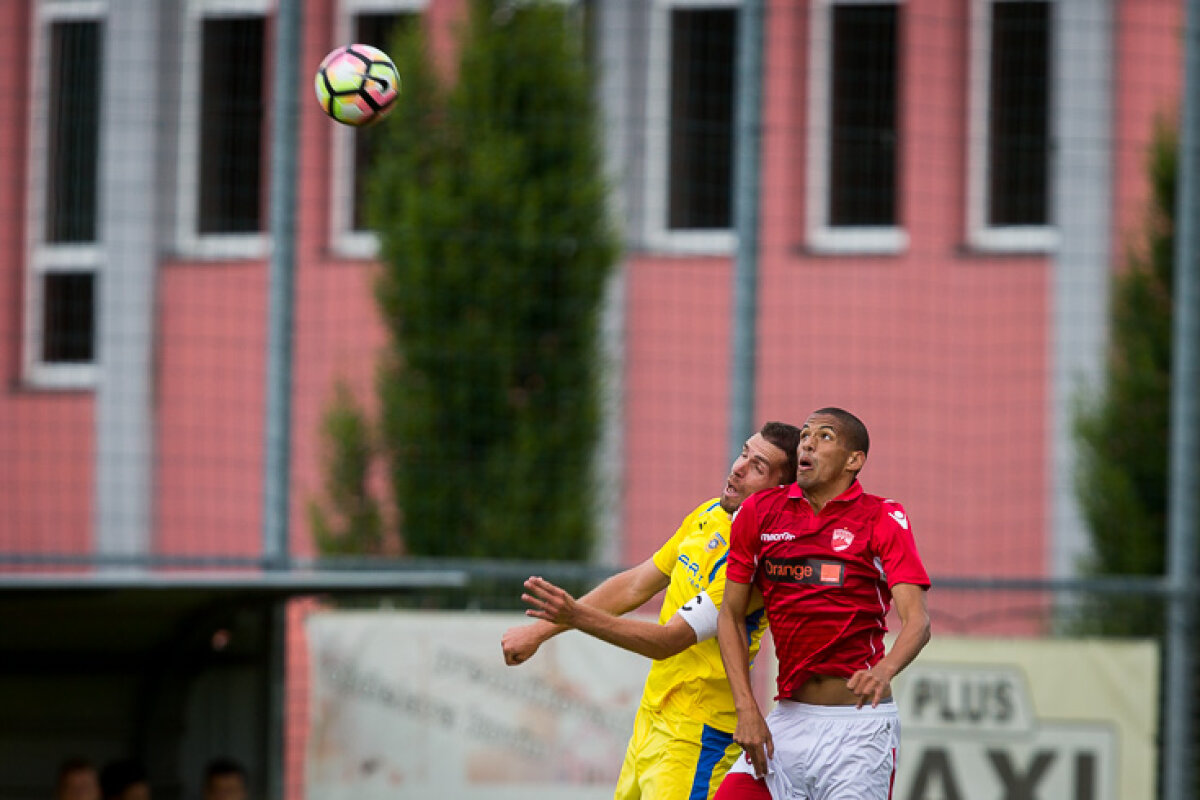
(520, 643)
(754, 737)
(872, 686)
(548, 602)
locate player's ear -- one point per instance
(856, 461)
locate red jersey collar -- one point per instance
(853, 491)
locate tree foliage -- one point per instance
(351, 521)
(489, 199)
(1123, 434)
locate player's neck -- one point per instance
(819, 496)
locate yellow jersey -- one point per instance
(693, 683)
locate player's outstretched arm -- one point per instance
(553, 604)
(874, 684)
(617, 594)
(751, 732)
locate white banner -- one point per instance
(1018, 719)
(421, 705)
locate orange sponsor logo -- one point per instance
(800, 571)
(803, 570)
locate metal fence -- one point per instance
(915, 210)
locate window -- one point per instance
(862, 185)
(702, 75)
(73, 140)
(1010, 169)
(68, 303)
(853, 145)
(692, 82)
(224, 102)
(64, 254)
(232, 100)
(373, 22)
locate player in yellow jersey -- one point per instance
(682, 743)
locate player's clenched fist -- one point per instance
(519, 644)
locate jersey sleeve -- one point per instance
(743, 544)
(668, 554)
(896, 547)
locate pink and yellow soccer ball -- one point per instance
(357, 85)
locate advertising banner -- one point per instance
(422, 705)
(1026, 719)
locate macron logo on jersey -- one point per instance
(782, 536)
(901, 520)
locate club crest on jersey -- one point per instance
(715, 542)
(842, 539)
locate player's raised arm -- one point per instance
(616, 595)
(553, 604)
(752, 732)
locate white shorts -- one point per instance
(831, 752)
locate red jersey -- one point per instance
(825, 578)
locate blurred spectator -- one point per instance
(77, 780)
(124, 779)
(224, 779)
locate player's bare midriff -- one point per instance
(825, 690)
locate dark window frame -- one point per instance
(75, 68)
(233, 97)
(1019, 173)
(701, 134)
(864, 116)
(63, 271)
(68, 314)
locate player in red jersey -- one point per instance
(830, 560)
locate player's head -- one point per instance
(786, 437)
(852, 428)
(768, 458)
(224, 779)
(78, 779)
(833, 449)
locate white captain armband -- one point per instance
(701, 614)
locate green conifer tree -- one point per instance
(489, 199)
(351, 520)
(1123, 434)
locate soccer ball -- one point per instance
(357, 84)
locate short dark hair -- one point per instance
(117, 776)
(787, 438)
(851, 426)
(223, 766)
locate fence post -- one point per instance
(743, 349)
(278, 408)
(1179, 705)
